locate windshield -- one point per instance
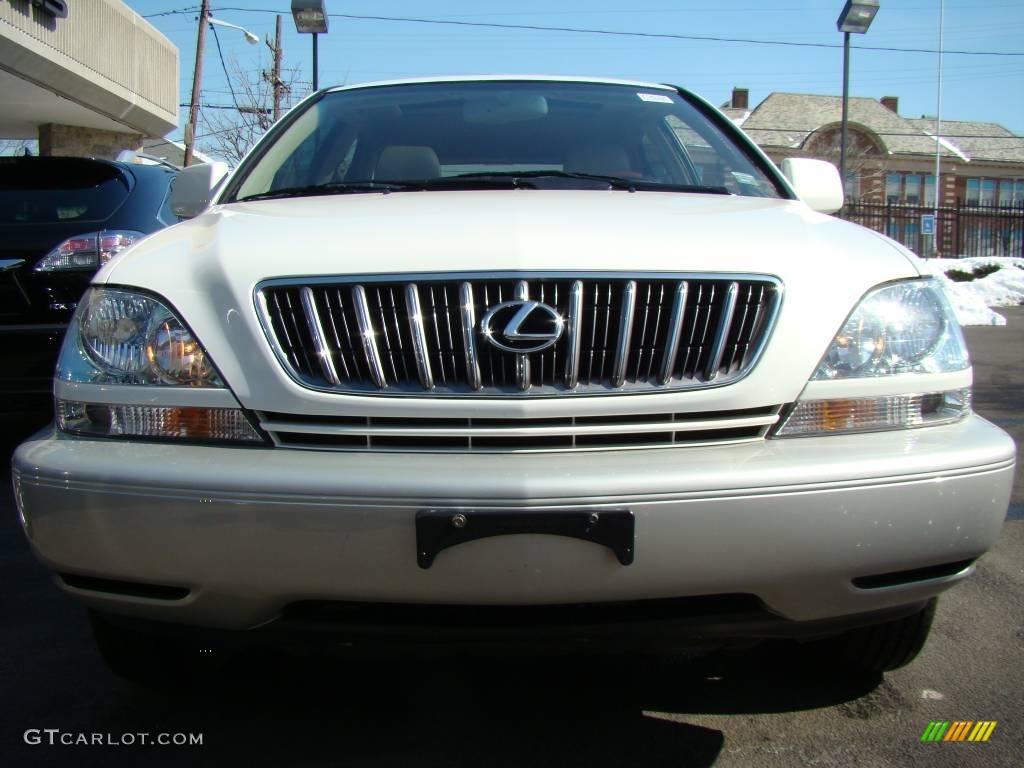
(501, 134)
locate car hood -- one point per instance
(527, 230)
(208, 268)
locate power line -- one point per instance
(171, 13)
(224, 66)
(225, 106)
(620, 33)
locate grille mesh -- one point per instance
(423, 334)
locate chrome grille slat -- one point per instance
(468, 315)
(572, 367)
(419, 338)
(625, 333)
(722, 332)
(369, 336)
(522, 293)
(316, 328)
(675, 330)
(421, 334)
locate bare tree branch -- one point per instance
(229, 134)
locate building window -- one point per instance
(988, 191)
(1011, 192)
(995, 192)
(909, 189)
(850, 187)
(912, 190)
(893, 187)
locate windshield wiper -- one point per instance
(336, 188)
(482, 180)
(530, 179)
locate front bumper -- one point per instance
(239, 536)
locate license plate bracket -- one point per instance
(439, 529)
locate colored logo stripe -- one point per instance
(982, 730)
(958, 730)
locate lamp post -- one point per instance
(249, 36)
(197, 76)
(856, 17)
(311, 18)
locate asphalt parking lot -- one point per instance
(763, 708)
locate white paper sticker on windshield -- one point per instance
(656, 97)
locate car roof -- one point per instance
(505, 78)
(137, 169)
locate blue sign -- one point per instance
(928, 224)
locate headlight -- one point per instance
(123, 337)
(902, 328)
(119, 336)
(906, 327)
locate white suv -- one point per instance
(461, 358)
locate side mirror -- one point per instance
(816, 182)
(194, 187)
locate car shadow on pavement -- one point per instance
(581, 710)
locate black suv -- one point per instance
(61, 218)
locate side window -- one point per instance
(319, 159)
(718, 161)
(295, 171)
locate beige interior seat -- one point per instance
(399, 163)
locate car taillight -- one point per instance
(89, 251)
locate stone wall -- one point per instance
(74, 141)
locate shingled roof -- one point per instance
(785, 120)
(977, 141)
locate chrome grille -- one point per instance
(422, 333)
(567, 433)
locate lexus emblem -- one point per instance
(522, 326)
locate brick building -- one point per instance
(891, 162)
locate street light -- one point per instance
(856, 17)
(249, 36)
(311, 18)
(197, 76)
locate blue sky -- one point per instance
(983, 88)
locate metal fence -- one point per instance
(961, 230)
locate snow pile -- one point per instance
(972, 300)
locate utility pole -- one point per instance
(277, 70)
(197, 79)
(274, 76)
